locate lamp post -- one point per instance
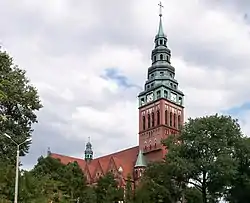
(17, 163)
(120, 170)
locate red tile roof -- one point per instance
(125, 159)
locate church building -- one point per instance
(161, 112)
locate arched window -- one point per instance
(179, 121)
(143, 123)
(166, 117)
(136, 173)
(149, 121)
(150, 147)
(171, 119)
(158, 94)
(155, 145)
(154, 58)
(153, 119)
(161, 57)
(175, 118)
(158, 117)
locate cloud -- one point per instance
(90, 61)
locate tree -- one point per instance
(74, 181)
(192, 195)
(59, 181)
(204, 154)
(107, 189)
(128, 190)
(158, 185)
(89, 195)
(7, 178)
(239, 190)
(18, 102)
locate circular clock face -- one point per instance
(173, 97)
(150, 97)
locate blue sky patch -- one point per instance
(121, 80)
(238, 109)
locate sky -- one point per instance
(89, 60)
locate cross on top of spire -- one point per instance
(161, 6)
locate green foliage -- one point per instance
(129, 190)
(107, 189)
(7, 177)
(60, 181)
(158, 185)
(210, 153)
(89, 195)
(204, 154)
(192, 195)
(18, 102)
(239, 192)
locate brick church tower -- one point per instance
(161, 113)
(161, 110)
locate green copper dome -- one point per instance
(140, 162)
(88, 151)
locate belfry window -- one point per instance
(143, 123)
(158, 117)
(171, 119)
(166, 117)
(153, 119)
(164, 42)
(175, 118)
(161, 42)
(149, 121)
(179, 121)
(161, 57)
(154, 58)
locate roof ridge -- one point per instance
(71, 157)
(117, 152)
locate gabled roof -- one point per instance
(67, 159)
(125, 159)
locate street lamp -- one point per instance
(120, 171)
(17, 163)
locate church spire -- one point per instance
(161, 53)
(88, 151)
(160, 30)
(161, 82)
